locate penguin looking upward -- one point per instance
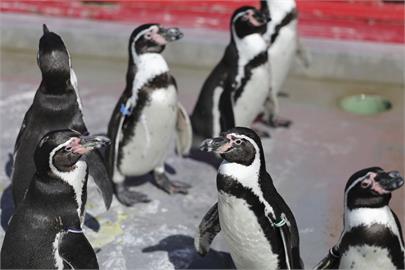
(372, 235)
(258, 225)
(45, 231)
(235, 91)
(56, 105)
(282, 36)
(147, 117)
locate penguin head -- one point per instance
(152, 38)
(371, 187)
(62, 149)
(53, 58)
(240, 145)
(248, 20)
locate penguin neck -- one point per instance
(365, 216)
(247, 48)
(76, 179)
(283, 6)
(253, 178)
(56, 83)
(247, 176)
(142, 69)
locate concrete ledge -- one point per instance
(201, 48)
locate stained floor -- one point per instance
(309, 162)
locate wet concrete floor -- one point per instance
(310, 163)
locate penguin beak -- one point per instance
(94, 142)
(218, 145)
(170, 34)
(388, 181)
(85, 144)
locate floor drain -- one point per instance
(365, 104)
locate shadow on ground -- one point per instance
(182, 254)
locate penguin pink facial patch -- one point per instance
(75, 147)
(157, 37)
(371, 183)
(252, 19)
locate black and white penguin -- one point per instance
(56, 105)
(258, 225)
(285, 45)
(235, 91)
(147, 117)
(45, 231)
(372, 235)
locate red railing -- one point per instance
(372, 20)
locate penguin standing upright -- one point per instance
(258, 225)
(282, 35)
(147, 116)
(56, 105)
(372, 235)
(45, 231)
(235, 91)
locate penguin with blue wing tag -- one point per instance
(257, 224)
(147, 117)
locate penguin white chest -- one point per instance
(153, 133)
(366, 257)
(249, 104)
(282, 53)
(248, 245)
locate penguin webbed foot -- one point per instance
(262, 133)
(202, 248)
(171, 187)
(128, 197)
(277, 121)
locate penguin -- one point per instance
(46, 230)
(258, 225)
(235, 91)
(147, 116)
(284, 45)
(372, 235)
(56, 105)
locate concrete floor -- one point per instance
(309, 162)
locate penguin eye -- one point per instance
(148, 36)
(238, 141)
(365, 184)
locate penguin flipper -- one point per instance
(184, 136)
(22, 130)
(76, 251)
(100, 177)
(207, 230)
(331, 261)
